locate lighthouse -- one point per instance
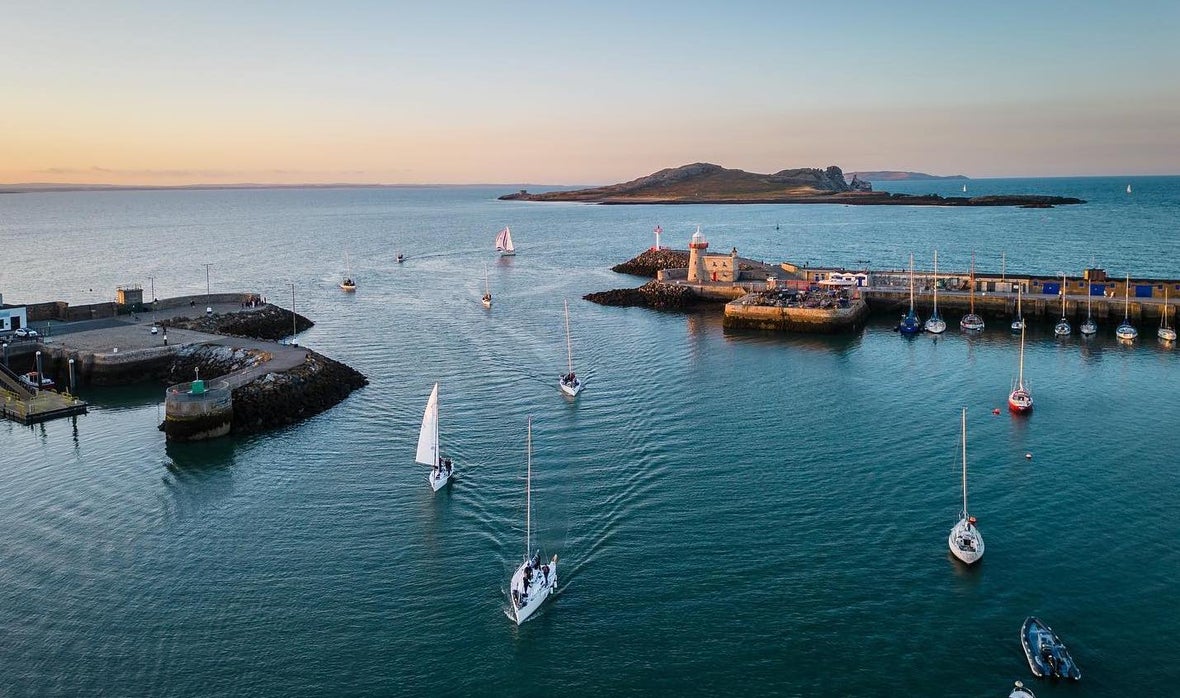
(696, 257)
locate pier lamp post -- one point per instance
(294, 327)
(207, 265)
(153, 280)
(5, 346)
(39, 376)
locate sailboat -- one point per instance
(910, 324)
(1062, 328)
(1126, 331)
(1088, 327)
(569, 383)
(1020, 399)
(532, 582)
(400, 258)
(971, 321)
(504, 243)
(487, 292)
(935, 324)
(965, 541)
(441, 469)
(1166, 333)
(1128, 188)
(1018, 323)
(964, 188)
(347, 283)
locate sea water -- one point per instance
(732, 511)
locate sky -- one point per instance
(555, 92)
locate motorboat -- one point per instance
(1047, 655)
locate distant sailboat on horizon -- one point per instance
(1128, 188)
(487, 292)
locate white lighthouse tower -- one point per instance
(696, 257)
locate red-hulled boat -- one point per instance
(1020, 399)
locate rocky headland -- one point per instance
(706, 183)
(650, 262)
(654, 294)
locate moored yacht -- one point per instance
(1126, 331)
(1020, 399)
(911, 323)
(935, 324)
(1062, 328)
(1166, 333)
(972, 322)
(1018, 323)
(965, 540)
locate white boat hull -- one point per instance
(1089, 327)
(1017, 325)
(935, 325)
(1062, 329)
(571, 390)
(1167, 334)
(1126, 333)
(971, 323)
(487, 302)
(439, 481)
(965, 542)
(541, 586)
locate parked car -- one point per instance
(28, 332)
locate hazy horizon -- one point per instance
(385, 93)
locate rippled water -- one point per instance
(732, 511)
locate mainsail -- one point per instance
(504, 241)
(428, 437)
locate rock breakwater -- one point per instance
(269, 322)
(650, 262)
(279, 399)
(653, 294)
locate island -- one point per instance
(706, 183)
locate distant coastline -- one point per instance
(901, 176)
(706, 183)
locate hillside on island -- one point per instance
(900, 176)
(705, 183)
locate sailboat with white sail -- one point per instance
(1166, 333)
(1126, 331)
(487, 291)
(570, 383)
(911, 323)
(1018, 323)
(441, 469)
(935, 324)
(971, 321)
(1020, 399)
(532, 582)
(1062, 328)
(965, 540)
(504, 243)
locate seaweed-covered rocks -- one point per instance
(278, 399)
(268, 322)
(653, 294)
(652, 261)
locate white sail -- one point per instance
(428, 437)
(504, 241)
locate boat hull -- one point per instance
(1017, 325)
(1020, 402)
(487, 302)
(1062, 329)
(1047, 656)
(444, 477)
(541, 586)
(347, 289)
(571, 390)
(507, 254)
(936, 325)
(1167, 334)
(965, 543)
(972, 323)
(1089, 328)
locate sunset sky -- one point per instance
(581, 93)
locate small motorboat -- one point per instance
(37, 381)
(1021, 691)
(400, 258)
(1047, 656)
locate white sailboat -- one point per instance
(1089, 327)
(533, 581)
(569, 383)
(347, 284)
(935, 324)
(1126, 331)
(1020, 399)
(504, 243)
(1128, 188)
(1062, 328)
(964, 188)
(1018, 323)
(965, 541)
(441, 469)
(971, 321)
(1166, 333)
(487, 292)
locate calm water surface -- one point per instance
(732, 511)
